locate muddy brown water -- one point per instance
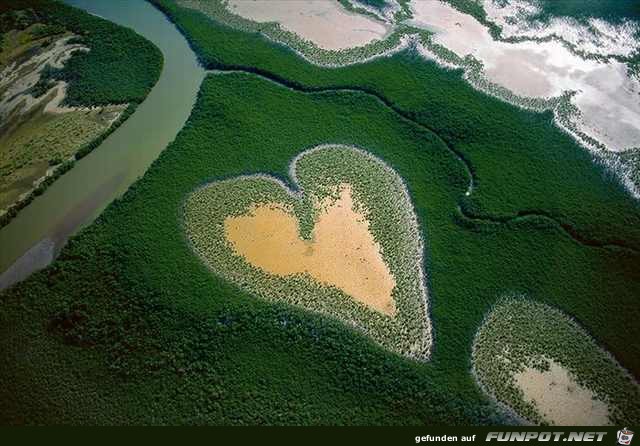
(33, 239)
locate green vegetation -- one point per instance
(120, 67)
(475, 9)
(230, 358)
(138, 323)
(403, 36)
(317, 173)
(137, 329)
(405, 10)
(46, 140)
(548, 171)
(518, 332)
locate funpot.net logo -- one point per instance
(624, 436)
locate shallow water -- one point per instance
(325, 23)
(79, 196)
(606, 96)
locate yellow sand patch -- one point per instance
(559, 399)
(341, 253)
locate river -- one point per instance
(34, 238)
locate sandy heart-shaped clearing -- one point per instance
(342, 251)
(345, 244)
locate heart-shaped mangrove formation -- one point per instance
(344, 243)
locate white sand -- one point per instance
(559, 399)
(325, 23)
(607, 97)
(342, 252)
(19, 79)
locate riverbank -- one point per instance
(123, 156)
(64, 88)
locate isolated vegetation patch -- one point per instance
(544, 366)
(344, 243)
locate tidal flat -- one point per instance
(603, 90)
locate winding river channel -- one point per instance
(33, 239)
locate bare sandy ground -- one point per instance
(559, 399)
(325, 23)
(342, 252)
(606, 95)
